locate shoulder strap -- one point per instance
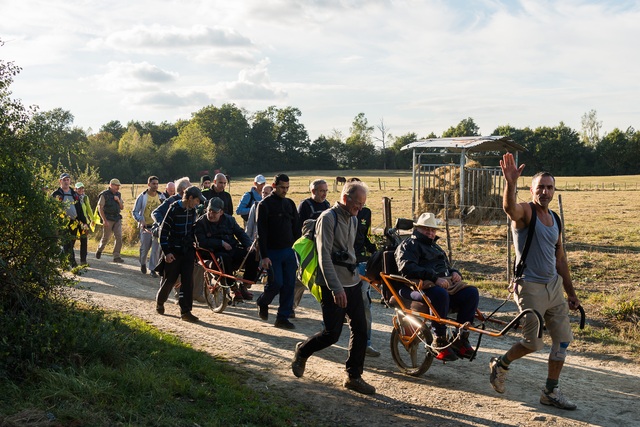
(557, 220)
(519, 268)
(313, 211)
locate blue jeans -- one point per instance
(281, 280)
(464, 301)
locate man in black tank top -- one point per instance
(546, 298)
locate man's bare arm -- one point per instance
(520, 213)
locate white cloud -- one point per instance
(130, 76)
(163, 39)
(170, 99)
(254, 83)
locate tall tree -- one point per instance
(360, 149)
(466, 127)
(228, 128)
(55, 129)
(115, 128)
(590, 129)
(384, 135)
(403, 159)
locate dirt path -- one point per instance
(605, 388)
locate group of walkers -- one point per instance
(170, 228)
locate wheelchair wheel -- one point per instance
(412, 358)
(214, 292)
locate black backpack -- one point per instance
(375, 264)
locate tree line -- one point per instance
(237, 142)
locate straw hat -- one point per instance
(427, 219)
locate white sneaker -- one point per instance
(557, 399)
(498, 375)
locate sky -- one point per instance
(414, 66)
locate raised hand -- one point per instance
(510, 170)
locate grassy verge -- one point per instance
(131, 374)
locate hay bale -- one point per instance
(444, 181)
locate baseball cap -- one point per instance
(194, 191)
(79, 185)
(115, 181)
(216, 204)
(65, 175)
(259, 179)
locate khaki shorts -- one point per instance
(548, 300)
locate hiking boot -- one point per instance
(445, 353)
(263, 311)
(188, 317)
(283, 323)
(359, 385)
(498, 375)
(98, 254)
(160, 308)
(462, 347)
(372, 352)
(143, 269)
(118, 259)
(557, 399)
(298, 363)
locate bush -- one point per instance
(32, 230)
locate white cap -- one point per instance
(259, 179)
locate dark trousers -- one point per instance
(83, 249)
(333, 317)
(67, 248)
(232, 259)
(182, 266)
(464, 302)
(281, 280)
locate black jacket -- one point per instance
(210, 193)
(209, 235)
(419, 257)
(278, 224)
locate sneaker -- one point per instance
(263, 311)
(143, 269)
(153, 274)
(557, 399)
(446, 354)
(372, 352)
(498, 375)
(298, 363)
(188, 317)
(359, 385)
(98, 254)
(283, 323)
(118, 259)
(462, 347)
(160, 308)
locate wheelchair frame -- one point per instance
(216, 283)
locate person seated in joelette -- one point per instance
(220, 233)
(420, 258)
